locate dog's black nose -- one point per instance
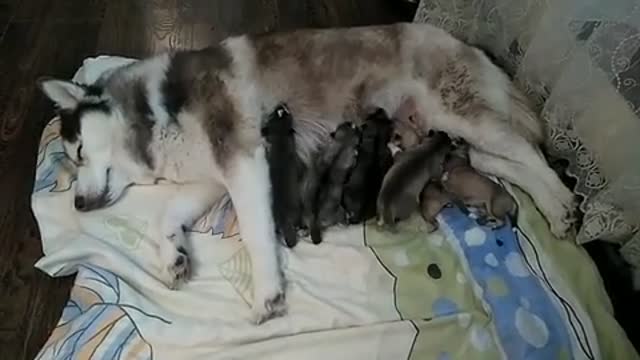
(79, 203)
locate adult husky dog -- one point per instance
(194, 118)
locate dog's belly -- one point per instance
(327, 77)
(330, 75)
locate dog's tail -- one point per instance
(523, 118)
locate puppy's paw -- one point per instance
(179, 271)
(494, 222)
(432, 224)
(266, 308)
(432, 229)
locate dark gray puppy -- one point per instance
(411, 170)
(332, 169)
(280, 152)
(374, 160)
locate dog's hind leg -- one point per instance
(188, 203)
(501, 149)
(247, 180)
(530, 176)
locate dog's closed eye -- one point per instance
(79, 153)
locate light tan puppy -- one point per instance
(432, 199)
(473, 189)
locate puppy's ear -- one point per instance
(406, 110)
(65, 94)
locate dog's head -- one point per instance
(98, 141)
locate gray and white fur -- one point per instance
(194, 119)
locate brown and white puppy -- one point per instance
(473, 189)
(409, 127)
(411, 170)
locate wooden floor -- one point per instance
(51, 37)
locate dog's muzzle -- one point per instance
(84, 204)
(79, 203)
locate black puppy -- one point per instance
(374, 160)
(280, 152)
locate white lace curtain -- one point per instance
(580, 61)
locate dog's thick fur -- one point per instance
(194, 117)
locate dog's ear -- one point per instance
(65, 94)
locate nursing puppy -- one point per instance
(194, 118)
(432, 199)
(373, 162)
(283, 172)
(409, 128)
(411, 170)
(334, 165)
(473, 189)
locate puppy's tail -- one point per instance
(523, 118)
(316, 233)
(290, 235)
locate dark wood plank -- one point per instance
(66, 11)
(6, 12)
(30, 302)
(138, 28)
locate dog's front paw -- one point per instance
(178, 271)
(561, 226)
(560, 229)
(268, 307)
